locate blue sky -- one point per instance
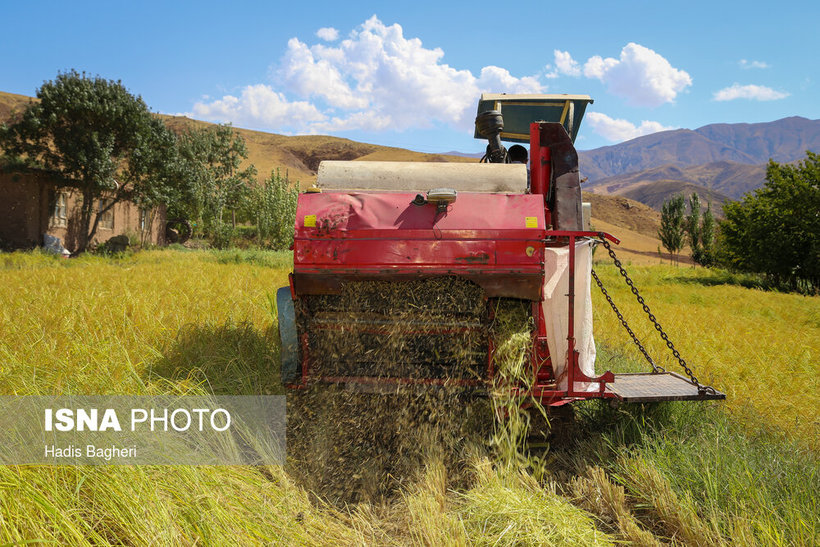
(408, 74)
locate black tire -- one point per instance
(181, 226)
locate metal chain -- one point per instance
(663, 335)
(637, 342)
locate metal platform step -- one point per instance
(645, 387)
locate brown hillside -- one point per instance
(11, 103)
(300, 155)
(656, 193)
(634, 247)
(783, 140)
(634, 223)
(626, 213)
(728, 179)
(680, 147)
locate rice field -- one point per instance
(761, 348)
(177, 321)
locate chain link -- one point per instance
(637, 342)
(657, 325)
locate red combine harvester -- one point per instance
(431, 251)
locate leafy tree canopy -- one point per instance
(97, 137)
(701, 232)
(210, 164)
(671, 232)
(776, 229)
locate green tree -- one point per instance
(193, 188)
(232, 184)
(671, 232)
(775, 230)
(700, 233)
(214, 182)
(92, 134)
(152, 174)
(274, 210)
(693, 223)
(707, 237)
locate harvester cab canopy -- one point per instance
(519, 111)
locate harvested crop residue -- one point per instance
(351, 447)
(430, 328)
(347, 445)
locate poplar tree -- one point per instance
(671, 232)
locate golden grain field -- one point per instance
(183, 321)
(761, 348)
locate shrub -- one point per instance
(274, 208)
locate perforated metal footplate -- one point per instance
(663, 386)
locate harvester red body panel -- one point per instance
(495, 241)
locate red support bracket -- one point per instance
(574, 373)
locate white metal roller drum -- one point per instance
(419, 177)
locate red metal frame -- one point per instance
(344, 236)
(545, 391)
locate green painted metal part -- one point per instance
(521, 110)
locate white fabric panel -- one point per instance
(420, 177)
(555, 304)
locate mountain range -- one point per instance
(719, 161)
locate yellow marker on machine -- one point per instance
(531, 222)
(310, 221)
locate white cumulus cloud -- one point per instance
(494, 78)
(328, 34)
(640, 75)
(374, 79)
(751, 92)
(312, 73)
(619, 130)
(752, 64)
(597, 67)
(565, 64)
(259, 106)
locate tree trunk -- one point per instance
(85, 220)
(88, 229)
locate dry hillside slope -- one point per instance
(626, 213)
(680, 147)
(728, 179)
(634, 223)
(656, 193)
(300, 155)
(11, 103)
(718, 161)
(783, 140)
